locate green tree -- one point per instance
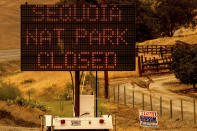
(172, 14)
(185, 65)
(146, 21)
(67, 93)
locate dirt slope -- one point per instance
(14, 115)
(12, 128)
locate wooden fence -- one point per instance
(155, 49)
(161, 50)
(154, 65)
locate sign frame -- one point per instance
(39, 26)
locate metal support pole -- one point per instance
(118, 94)
(77, 94)
(181, 109)
(160, 106)
(139, 66)
(114, 95)
(106, 84)
(142, 101)
(151, 105)
(125, 96)
(170, 109)
(98, 87)
(133, 99)
(194, 111)
(114, 122)
(96, 94)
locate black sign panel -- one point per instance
(77, 37)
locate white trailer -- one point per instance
(74, 123)
(86, 121)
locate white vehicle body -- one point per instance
(86, 121)
(65, 123)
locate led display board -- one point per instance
(77, 37)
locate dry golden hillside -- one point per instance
(185, 35)
(43, 80)
(10, 21)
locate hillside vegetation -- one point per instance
(13, 115)
(154, 18)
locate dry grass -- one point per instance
(10, 67)
(43, 80)
(128, 119)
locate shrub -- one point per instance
(50, 91)
(2, 68)
(35, 104)
(10, 102)
(69, 85)
(67, 93)
(9, 91)
(185, 65)
(12, 95)
(20, 101)
(28, 81)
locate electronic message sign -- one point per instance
(77, 37)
